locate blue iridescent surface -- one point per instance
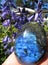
(27, 48)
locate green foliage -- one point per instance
(46, 28)
(3, 32)
(2, 55)
(45, 23)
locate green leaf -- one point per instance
(46, 28)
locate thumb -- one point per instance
(11, 60)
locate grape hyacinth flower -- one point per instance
(6, 23)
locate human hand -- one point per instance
(12, 60)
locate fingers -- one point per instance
(11, 60)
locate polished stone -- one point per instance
(30, 44)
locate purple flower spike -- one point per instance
(7, 52)
(9, 40)
(14, 35)
(17, 25)
(12, 49)
(36, 17)
(5, 8)
(6, 23)
(31, 17)
(12, 4)
(13, 15)
(5, 40)
(5, 47)
(4, 14)
(40, 16)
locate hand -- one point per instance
(12, 60)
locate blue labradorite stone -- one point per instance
(30, 44)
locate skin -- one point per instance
(12, 60)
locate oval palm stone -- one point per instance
(30, 43)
